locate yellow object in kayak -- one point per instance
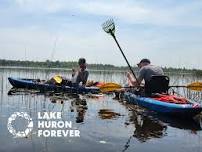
(58, 79)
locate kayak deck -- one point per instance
(186, 110)
(37, 85)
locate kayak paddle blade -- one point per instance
(110, 87)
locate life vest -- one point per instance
(172, 99)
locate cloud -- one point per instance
(160, 13)
(164, 31)
(38, 6)
(134, 12)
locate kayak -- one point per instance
(189, 109)
(43, 87)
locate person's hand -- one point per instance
(135, 83)
(128, 75)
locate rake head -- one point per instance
(109, 26)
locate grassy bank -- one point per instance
(61, 65)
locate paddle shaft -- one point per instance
(189, 86)
(180, 86)
(110, 87)
(113, 35)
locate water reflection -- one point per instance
(150, 125)
(77, 104)
(80, 106)
(189, 124)
(108, 114)
(18, 91)
(146, 127)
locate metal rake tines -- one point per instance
(109, 26)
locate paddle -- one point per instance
(109, 27)
(110, 87)
(195, 86)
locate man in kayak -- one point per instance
(81, 75)
(145, 72)
(78, 76)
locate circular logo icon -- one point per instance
(28, 129)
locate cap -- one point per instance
(144, 61)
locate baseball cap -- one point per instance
(144, 61)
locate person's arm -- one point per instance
(141, 75)
(85, 77)
(132, 81)
(75, 77)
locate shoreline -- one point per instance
(176, 71)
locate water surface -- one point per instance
(105, 124)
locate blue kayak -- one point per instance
(189, 109)
(43, 87)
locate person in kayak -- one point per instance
(81, 75)
(78, 76)
(145, 73)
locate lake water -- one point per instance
(105, 124)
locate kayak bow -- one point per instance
(43, 87)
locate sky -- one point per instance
(168, 32)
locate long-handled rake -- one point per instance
(109, 27)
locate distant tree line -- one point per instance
(73, 64)
(57, 64)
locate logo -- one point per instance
(12, 129)
(49, 124)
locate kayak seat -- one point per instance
(157, 84)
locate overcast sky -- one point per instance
(168, 32)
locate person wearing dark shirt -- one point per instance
(145, 72)
(81, 75)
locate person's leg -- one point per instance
(51, 81)
(66, 82)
